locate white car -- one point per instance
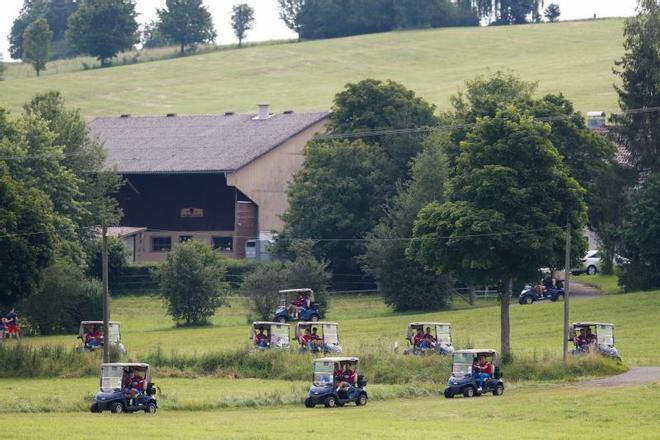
(591, 263)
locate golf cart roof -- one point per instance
(126, 364)
(428, 323)
(337, 359)
(295, 290)
(305, 323)
(476, 351)
(267, 323)
(97, 322)
(589, 324)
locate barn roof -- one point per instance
(194, 144)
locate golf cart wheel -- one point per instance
(330, 402)
(499, 390)
(315, 318)
(529, 300)
(95, 408)
(468, 391)
(309, 403)
(361, 400)
(448, 393)
(117, 408)
(151, 408)
(281, 319)
(591, 270)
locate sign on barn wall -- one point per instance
(192, 212)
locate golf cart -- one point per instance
(593, 336)
(327, 336)
(91, 335)
(441, 343)
(297, 305)
(464, 377)
(270, 335)
(331, 389)
(530, 295)
(125, 387)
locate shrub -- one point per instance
(136, 279)
(192, 283)
(20, 360)
(64, 298)
(117, 257)
(305, 271)
(237, 270)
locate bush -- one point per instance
(262, 285)
(237, 270)
(20, 360)
(117, 257)
(64, 298)
(192, 283)
(136, 279)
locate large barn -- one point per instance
(221, 179)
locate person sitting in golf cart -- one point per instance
(316, 339)
(261, 339)
(429, 339)
(581, 341)
(484, 370)
(312, 342)
(347, 378)
(418, 339)
(298, 305)
(133, 386)
(590, 337)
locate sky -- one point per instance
(268, 25)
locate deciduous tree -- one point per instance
(552, 12)
(36, 44)
(242, 20)
(103, 28)
(186, 22)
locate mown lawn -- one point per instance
(575, 58)
(366, 324)
(524, 412)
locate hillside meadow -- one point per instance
(575, 58)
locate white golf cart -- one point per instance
(125, 387)
(266, 335)
(92, 337)
(437, 339)
(318, 336)
(593, 336)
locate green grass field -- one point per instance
(575, 58)
(608, 284)
(366, 324)
(524, 412)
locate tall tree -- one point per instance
(27, 237)
(507, 203)
(36, 44)
(152, 36)
(290, 13)
(186, 22)
(103, 28)
(406, 284)
(56, 13)
(242, 20)
(639, 131)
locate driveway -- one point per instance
(634, 376)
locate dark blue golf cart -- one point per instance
(115, 397)
(330, 389)
(306, 310)
(464, 379)
(529, 295)
(265, 335)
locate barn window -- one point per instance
(225, 244)
(161, 244)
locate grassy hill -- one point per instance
(575, 58)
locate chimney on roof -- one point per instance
(171, 115)
(125, 115)
(229, 113)
(288, 112)
(263, 113)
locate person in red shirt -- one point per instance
(306, 339)
(418, 339)
(429, 339)
(484, 369)
(316, 342)
(261, 339)
(297, 305)
(581, 341)
(591, 338)
(347, 378)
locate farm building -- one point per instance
(221, 179)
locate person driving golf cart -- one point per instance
(270, 335)
(92, 337)
(301, 308)
(336, 382)
(125, 387)
(594, 336)
(473, 373)
(427, 337)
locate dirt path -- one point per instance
(582, 290)
(634, 376)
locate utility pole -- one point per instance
(567, 287)
(106, 299)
